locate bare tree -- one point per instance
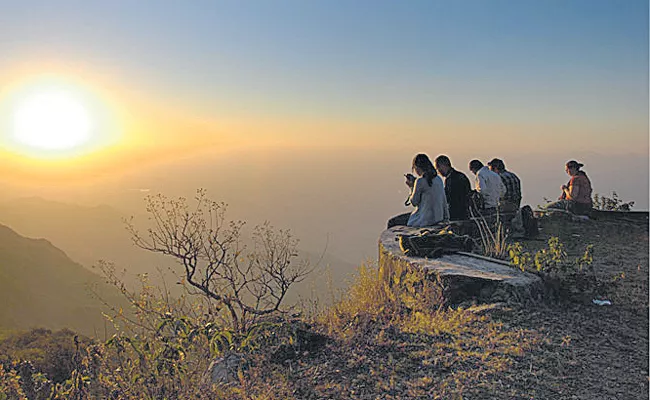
(245, 284)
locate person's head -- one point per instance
(422, 166)
(442, 165)
(573, 167)
(496, 165)
(475, 165)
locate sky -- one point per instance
(351, 89)
(575, 70)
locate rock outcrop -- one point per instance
(462, 277)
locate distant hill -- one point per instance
(40, 286)
(88, 234)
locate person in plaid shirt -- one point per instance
(511, 201)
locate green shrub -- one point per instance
(49, 352)
(564, 278)
(613, 203)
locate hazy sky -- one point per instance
(484, 72)
(352, 89)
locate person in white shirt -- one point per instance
(488, 184)
(427, 195)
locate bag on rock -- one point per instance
(434, 245)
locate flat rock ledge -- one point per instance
(463, 278)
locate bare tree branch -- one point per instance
(246, 282)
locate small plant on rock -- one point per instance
(492, 233)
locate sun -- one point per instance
(52, 120)
(59, 118)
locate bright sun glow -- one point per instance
(53, 117)
(53, 120)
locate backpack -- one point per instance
(529, 222)
(434, 244)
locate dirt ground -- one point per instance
(594, 352)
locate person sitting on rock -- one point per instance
(511, 200)
(576, 194)
(488, 184)
(457, 188)
(427, 195)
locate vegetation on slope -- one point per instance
(388, 338)
(41, 287)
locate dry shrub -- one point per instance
(383, 294)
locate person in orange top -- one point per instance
(576, 194)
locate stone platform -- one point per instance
(463, 277)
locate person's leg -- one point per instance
(486, 212)
(507, 207)
(580, 208)
(400, 220)
(559, 205)
(507, 211)
(517, 226)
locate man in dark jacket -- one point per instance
(457, 188)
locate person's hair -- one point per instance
(573, 164)
(498, 164)
(475, 165)
(443, 160)
(423, 162)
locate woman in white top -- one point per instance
(427, 195)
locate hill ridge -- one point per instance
(40, 286)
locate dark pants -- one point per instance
(400, 220)
(508, 207)
(571, 206)
(507, 211)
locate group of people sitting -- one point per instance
(496, 190)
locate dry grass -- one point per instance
(398, 342)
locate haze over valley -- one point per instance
(335, 200)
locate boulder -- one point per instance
(463, 277)
(224, 370)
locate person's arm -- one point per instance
(462, 195)
(481, 183)
(467, 189)
(573, 191)
(416, 193)
(564, 189)
(518, 189)
(446, 208)
(449, 189)
(502, 188)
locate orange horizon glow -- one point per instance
(142, 128)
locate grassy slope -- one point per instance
(41, 286)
